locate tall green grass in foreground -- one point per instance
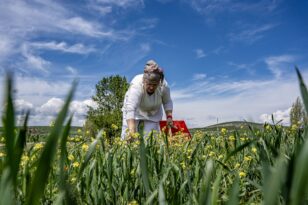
(244, 166)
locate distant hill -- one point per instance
(43, 130)
(233, 125)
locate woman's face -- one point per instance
(150, 87)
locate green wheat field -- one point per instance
(267, 164)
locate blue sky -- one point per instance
(224, 60)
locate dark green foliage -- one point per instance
(109, 96)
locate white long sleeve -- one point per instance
(139, 105)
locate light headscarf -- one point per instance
(152, 72)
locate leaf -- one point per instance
(48, 154)
(90, 152)
(303, 89)
(161, 194)
(9, 128)
(234, 193)
(240, 148)
(144, 166)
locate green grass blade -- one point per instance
(299, 188)
(19, 147)
(6, 188)
(9, 127)
(48, 154)
(161, 195)
(234, 193)
(90, 152)
(144, 166)
(239, 148)
(215, 190)
(272, 186)
(303, 89)
(63, 154)
(205, 192)
(64, 185)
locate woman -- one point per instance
(143, 102)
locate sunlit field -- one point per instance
(240, 166)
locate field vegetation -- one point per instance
(229, 166)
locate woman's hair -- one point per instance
(152, 72)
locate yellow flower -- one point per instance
(73, 179)
(87, 132)
(114, 127)
(183, 165)
(254, 150)
(294, 127)
(223, 131)
(247, 158)
(79, 131)
(203, 157)
(231, 138)
(220, 156)
(133, 172)
(242, 139)
(52, 123)
(85, 147)
(208, 146)
(211, 153)
(134, 202)
(76, 164)
(38, 146)
(237, 165)
(33, 158)
(25, 158)
(242, 174)
(2, 154)
(268, 127)
(71, 157)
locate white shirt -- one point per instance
(139, 105)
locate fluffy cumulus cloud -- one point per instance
(45, 113)
(51, 107)
(282, 116)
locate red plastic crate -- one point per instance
(179, 124)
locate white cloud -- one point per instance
(24, 18)
(82, 26)
(211, 7)
(22, 105)
(121, 3)
(252, 34)
(146, 47)
(71, 70)
(51, 107)
(6, 47)
(279, 115)
(251, 100)
(277, 64)
(200, 53)
(36, 62)
(62, 46)
(199, 76)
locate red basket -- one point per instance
(180, 127)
